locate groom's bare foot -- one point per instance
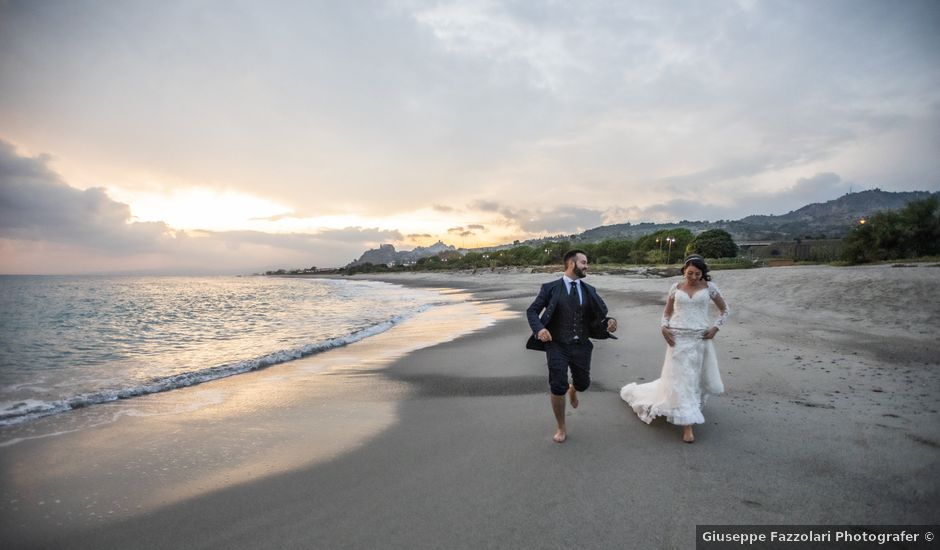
(560, 436)
(573, 397)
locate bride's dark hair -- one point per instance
(698, 262)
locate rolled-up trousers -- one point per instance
(564, 357)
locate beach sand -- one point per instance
(412, 439)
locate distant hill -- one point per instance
(832, 219)
(386, 254)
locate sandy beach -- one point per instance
(437, 433)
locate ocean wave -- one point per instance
(31, 409)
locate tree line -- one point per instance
(910, 232)
(664, 246)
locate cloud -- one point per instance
(680, 209)
(821, 187)
(657, 109)
(476, 227)
(566, 219)
(563, 219)
(510, 42)
(417, 236)
(485, 206)
(39, 211)
(277, 217)
(359, 235)
(36, 205)
(309, 242)
(461, 231)
(728, 169)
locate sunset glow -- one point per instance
(284, 138)
(199, 208)
(206, 209)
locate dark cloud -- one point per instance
(485, 206)
(564, 219)
(821, 187)
(37, 206)
(578, 90)
(416, 236)
(476, 227)
(729, 169)
(461, 231)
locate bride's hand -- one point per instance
(667, 334)
(710, 333)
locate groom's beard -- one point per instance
(579, 272)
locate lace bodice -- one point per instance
(691, 312)
(690, 370)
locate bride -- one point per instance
(690, 370)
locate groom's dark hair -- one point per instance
(571, 254)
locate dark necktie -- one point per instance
(574, 291)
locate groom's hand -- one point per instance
(611, 325)
(544, 335)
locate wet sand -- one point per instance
(830, 417)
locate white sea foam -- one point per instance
(19, 411)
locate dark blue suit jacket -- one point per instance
(540, 312)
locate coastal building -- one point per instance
(797, 250)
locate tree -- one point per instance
(662, 241)
(894, 234)
(554, 252)
(714, 243)
(608, 251)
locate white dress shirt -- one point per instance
(568, 282)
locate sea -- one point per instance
(68, 342)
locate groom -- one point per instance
(563, 317)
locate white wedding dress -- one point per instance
(690, 370)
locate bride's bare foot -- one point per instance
(687, 434)
(560, 436)
(573, 397)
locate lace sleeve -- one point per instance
(715, 295)
(667, 313)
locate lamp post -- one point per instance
(670, 240)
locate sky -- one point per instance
(210, 136)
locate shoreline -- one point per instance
(129, 458)
(169, 383)
(53, 365)
(830, 417)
